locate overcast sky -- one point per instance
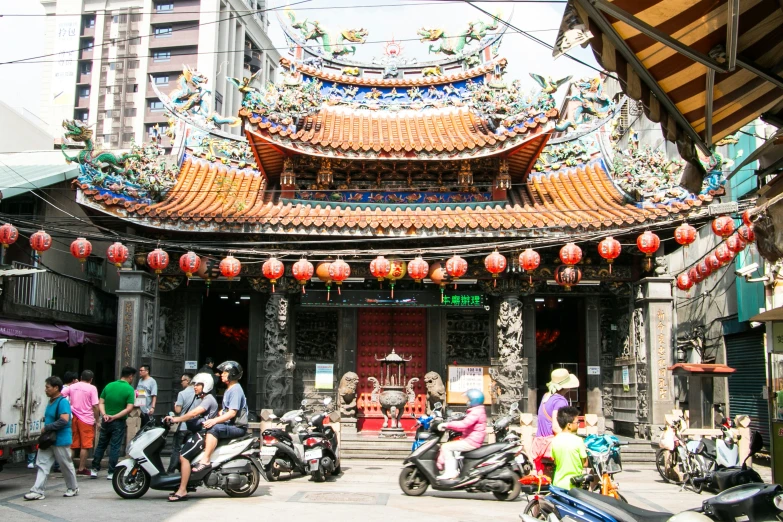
(22, 37)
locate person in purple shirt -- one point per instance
(561, 383)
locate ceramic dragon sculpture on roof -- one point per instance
(334, 44)
(455, 44)
(190, 99)
(99, 160)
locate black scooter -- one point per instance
(321, 453)
(488, 469)
(282, 449)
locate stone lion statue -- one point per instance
(436, 391)
(347, 394)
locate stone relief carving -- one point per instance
(467, 337)
(316, 336)
(148, 330)
(278, 371)
(661, 263)
(641, 391)
(509, 377)
(436, 390)
(639, 337)
(347, 394)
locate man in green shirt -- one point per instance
(568, 449)
(116, 403)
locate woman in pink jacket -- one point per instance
(473, 428)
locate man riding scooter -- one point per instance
(473, 428)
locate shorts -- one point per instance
(83, 434)
(226, 431)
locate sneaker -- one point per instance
(85, 473)
(34, 496)
(71, 492)
(31, 465)
(110, 476)
(93, 474)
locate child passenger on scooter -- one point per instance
(473, 428)
(568, 449)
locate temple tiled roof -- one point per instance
(212, 197)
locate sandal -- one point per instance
(176, 498)
(201, 467)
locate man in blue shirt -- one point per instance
(57, 418)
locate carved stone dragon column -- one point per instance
(510, 373)
(278, 365)
(135, 318)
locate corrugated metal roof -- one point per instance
(25, 171)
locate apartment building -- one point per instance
(124, 45)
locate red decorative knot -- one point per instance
(685, 234)
(189, 263)
(695, 275)
(724, 253)
(735, 244)
(81, 249)
(703, 269)
(158, 260)
(418, 269)
(8, 235)
(380, 268)
(117, 254)
(273, 269)
(570, 254)
(41, 241)
(723, 226)
(746, 219)
(684, 282)
(747, 234)
(456, 267)
(648, 243)
(713, 262)
(303, 271)
(495, 263)
(609, 248)
(339, 271)
(568, 276)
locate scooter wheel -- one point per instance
(319, 475)
(534, 509)
(253, 479)
(272, 474)
(130, 486)
(412, 482)
(511, 494)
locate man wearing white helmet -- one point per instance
(194, 419)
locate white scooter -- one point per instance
(235, 468)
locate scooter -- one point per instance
(423, 425)
(282, 449)
(321, 453)
(235, 468)
(489, 469)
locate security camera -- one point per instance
(745, 271)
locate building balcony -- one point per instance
(84, 78)
(86, 54)
(174, 64)
(178, 38)
(83, 102)
(88, 32)
(153, 117)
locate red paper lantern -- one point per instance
(684, 282)
(41, 241)
(746, 219)
(648, 243)
(609, 248)
(747, 234)
(398, 269)
(723, 226)
(380, 268)
(495, 263)
(322, 272)
(438, 276)
(703, 269)
(724, 253)
(735, 244)
(713, 262)
(81, 249)
(694, 275)
(456, 267)
(302, 272)
(273, 269)
(117, 254)
(418, 269)
(570, 254)
(158, 260)
(189, 263)
(568, 276)
(529, 261)
(685, 234)
(8, 235)
(339, 271)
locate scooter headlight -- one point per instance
(779, 502)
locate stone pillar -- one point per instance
(193, 327)
(348, 326)
(593, 345)
(255, 351)
(436, 341)
(509, 375)
(135, 318)
(656, 303)
(529, 345)
(277, 367)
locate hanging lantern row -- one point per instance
(189, 263)
(41, 242)
(723, 226)
(273, 269)
(609, 248)
(303, 271)
(81, 250)
(685, 234)
(722, 255)
(158, 260)
(8, 235)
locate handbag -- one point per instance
(48, 438)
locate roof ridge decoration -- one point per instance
(332, 43)
(455, 45)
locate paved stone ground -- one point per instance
(367, 491)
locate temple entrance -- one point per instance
(225, 318)
(560, 343)
(381, 330)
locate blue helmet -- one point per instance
(475, 397)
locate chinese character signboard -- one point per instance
(464, 378)
(382, 298)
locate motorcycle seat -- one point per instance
(620, 511)
(483, 451)
(222, 442)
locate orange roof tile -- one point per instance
(212, 197)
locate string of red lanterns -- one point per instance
(189, 263)
(81, 250)
(303, 272)
(41, 242)
(273, 269)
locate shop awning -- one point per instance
(53, 333)
(776, 314)
(717, 370)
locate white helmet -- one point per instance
(205, 380)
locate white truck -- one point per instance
(24, 366)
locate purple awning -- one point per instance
(47, 332)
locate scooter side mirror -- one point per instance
(514, 406)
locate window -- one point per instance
(162, 8)
(130, 112)
(85, 68)
(115, 66)
(135, 41)
(89, 23)
(162, 32)
(120, 19)
(83, 116)
(162, 80)
(161, 56)
(132, 88)
(84, 92)
(161, 130)
(156, 105)
(133, 64)
(88, 45)
(136, 17)
(112, 114)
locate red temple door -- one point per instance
(380, 330)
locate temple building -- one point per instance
(342, 162)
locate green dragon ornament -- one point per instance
(333, 44)
(453, 45)
(102, 161)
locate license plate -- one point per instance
(18, 456)
(313, 454)
(520, 459)
(268, 450)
